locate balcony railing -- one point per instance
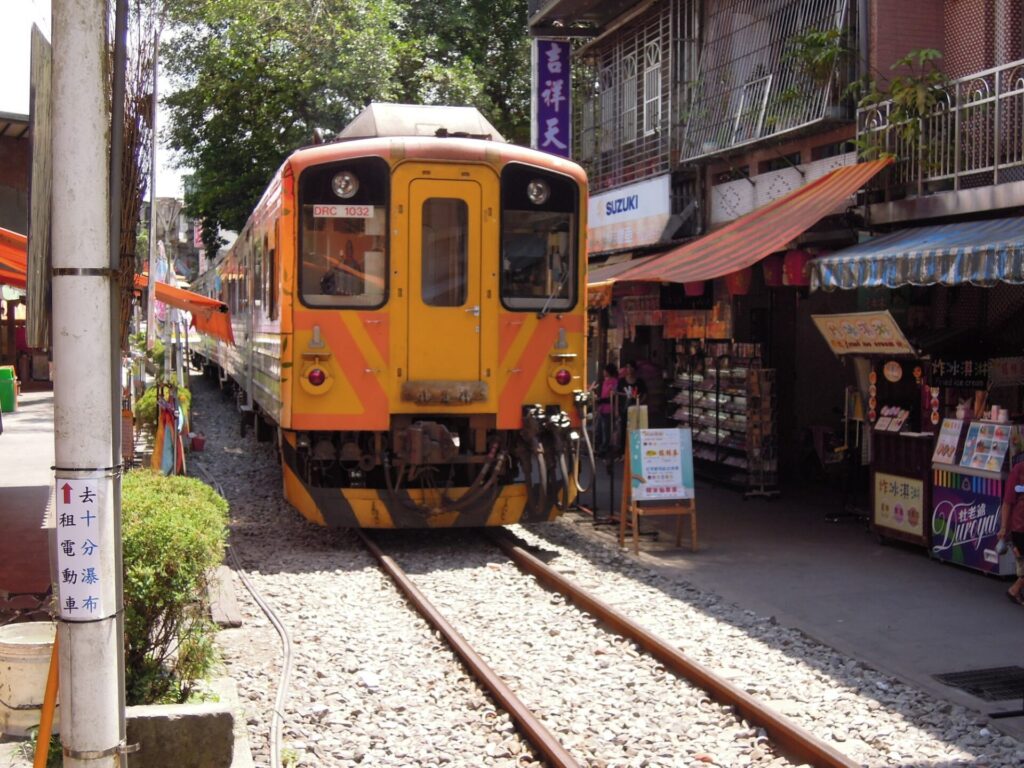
(974, 136)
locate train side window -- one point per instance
(539, 262)
(445, 252)
(257, 273)
(272, 284)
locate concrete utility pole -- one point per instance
(86, 464)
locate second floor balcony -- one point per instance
(965, 155)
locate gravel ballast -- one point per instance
(373, 685)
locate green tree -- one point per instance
(470, 52)
(253, 81)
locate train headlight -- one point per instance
(317, 377)
(538, 191)
(345, 184)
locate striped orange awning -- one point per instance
(13, 260)
(209, 316)
(750, 238)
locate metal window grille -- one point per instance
(629, 98)
(652, 87)
(632, 145)
(749, 87)
(607, 109)
(588, 129)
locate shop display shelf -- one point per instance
(729, 401)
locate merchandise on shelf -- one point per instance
(728, 400)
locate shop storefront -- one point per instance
(946, 411)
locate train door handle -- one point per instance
(474, 311)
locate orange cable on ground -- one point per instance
(46, 714)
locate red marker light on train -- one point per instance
(317, 377)
(563, 376)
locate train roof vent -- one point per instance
(381, 119)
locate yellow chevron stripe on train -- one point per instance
(408, 305)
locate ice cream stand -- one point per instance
(896, 392)
(970, 465)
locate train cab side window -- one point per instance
(344, 241)
(539, 262)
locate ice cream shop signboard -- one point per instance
(629, 216)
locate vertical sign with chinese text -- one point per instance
(81, 581)
(552, 113)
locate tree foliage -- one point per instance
(253, 81)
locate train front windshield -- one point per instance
(343, 235)
(539, 259)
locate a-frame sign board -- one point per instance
(658, 481)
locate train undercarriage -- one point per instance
(430, 471)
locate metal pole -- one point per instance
(151, 290)
(116, 320)
(86, 466)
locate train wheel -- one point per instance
(261, 428)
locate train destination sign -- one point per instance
(661, 463)
(329, 211)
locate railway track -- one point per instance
(769, 733)
(371, 684)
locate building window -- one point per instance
(587, 139)
(629, 98)
(652, 88)
(607, 109)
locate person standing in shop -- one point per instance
(604, 391)
(631, 390)
(1011, 515)
(632, 387)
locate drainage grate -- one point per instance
(994, 684)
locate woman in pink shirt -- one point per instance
(604, 391)
(1011, 513)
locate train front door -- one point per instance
(445, 247)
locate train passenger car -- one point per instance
(408, 307)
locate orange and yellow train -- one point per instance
(408, 307)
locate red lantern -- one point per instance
(796, 268)
(772, 266)
(738, 282)
(694, 289)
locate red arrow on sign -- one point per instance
(67, 492)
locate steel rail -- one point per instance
(791, 739)
(534, 731)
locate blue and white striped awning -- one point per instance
(976, 252)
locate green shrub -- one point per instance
(156, 355)
(174, 532)
(146, 408)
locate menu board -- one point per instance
(661, 461)
(949, 439)
(986, 446)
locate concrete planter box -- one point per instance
(182, 735)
